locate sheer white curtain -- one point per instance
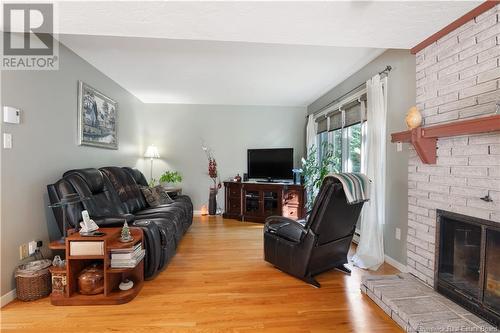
(362, 111)
(370, 252)
(311, 129)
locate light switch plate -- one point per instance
(11, 115)
(7, 141)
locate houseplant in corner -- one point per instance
(316, 169)
(169, 178)
(214, 175)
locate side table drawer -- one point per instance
(234, 191)
(234, 206)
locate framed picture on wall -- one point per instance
(97, 118)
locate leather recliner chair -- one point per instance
(321, 243)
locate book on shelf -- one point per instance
(126, 255)
(86, 248)
(126, 249)
(129, 263)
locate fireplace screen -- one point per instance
(492, 267)
(461, 256)
(468, 263)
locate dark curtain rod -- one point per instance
(386, 70)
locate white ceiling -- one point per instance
(209, 72)
(259, 53)
(378, 24)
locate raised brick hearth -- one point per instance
(457, 78)
(418, 308)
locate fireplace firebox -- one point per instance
(468, 263)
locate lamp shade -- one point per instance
(152, 152)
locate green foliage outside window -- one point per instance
(354, 135)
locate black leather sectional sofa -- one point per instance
(114, 196)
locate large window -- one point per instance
(322, 144)
(336, 139)
(345, 135)
(353, 148)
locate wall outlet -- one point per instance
(32, 246)
(23, 251)
(399, 146)
(398, 233)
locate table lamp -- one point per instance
(67, 200)
(152, 153)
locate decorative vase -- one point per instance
(413, 118)
(91, 280)
(212, 202)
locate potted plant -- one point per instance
(169, 178)
(315, 170)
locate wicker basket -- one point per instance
(33, 280)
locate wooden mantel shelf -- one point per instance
(424, 139)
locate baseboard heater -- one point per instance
(357, 234)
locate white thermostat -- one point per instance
(11, 115)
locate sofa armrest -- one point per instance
(285, 228)
(113, 220)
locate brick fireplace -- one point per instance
(458, 78)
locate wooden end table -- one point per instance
(112, 276)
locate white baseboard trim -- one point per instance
(8, 297)
(393, 262)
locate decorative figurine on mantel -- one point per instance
(413, 118)
(125, 234)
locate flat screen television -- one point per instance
(270, 164)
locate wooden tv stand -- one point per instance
(254, 201)
(112, 276)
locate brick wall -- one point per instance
(458, 77)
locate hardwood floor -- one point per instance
(218, 282)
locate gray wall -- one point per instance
(44, 146)
(179, 130)
(401, 96)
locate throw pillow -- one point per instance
(163, 194)
(151, 195)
